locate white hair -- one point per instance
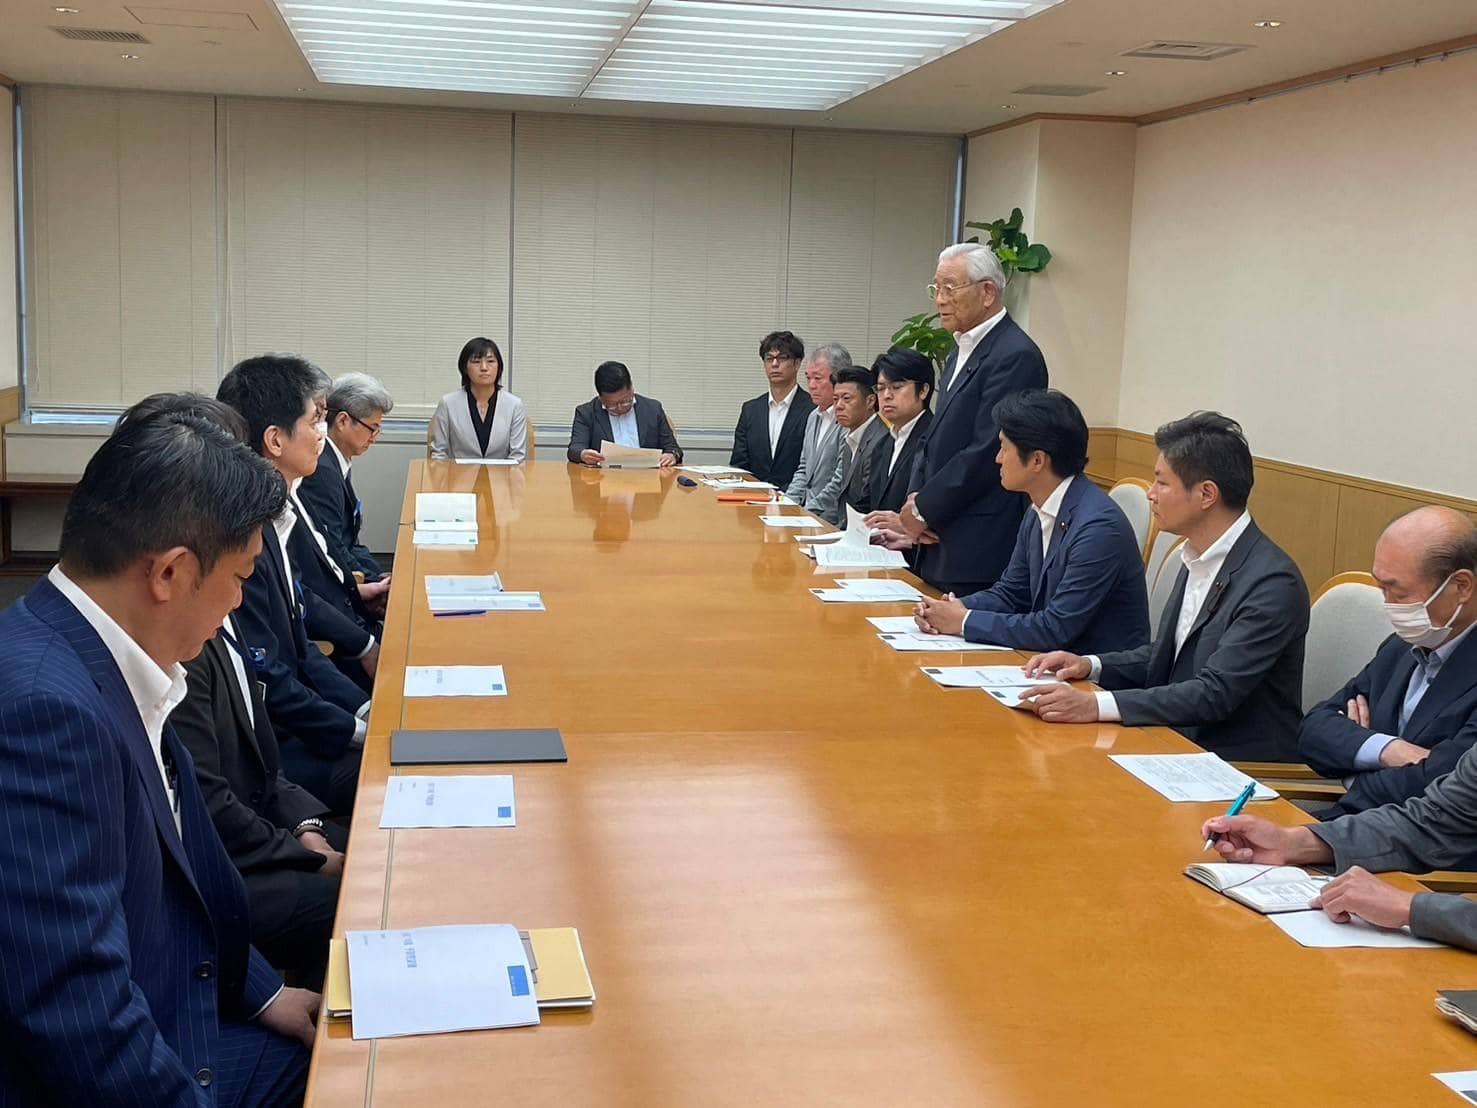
(979, 261)
(361, 395)
(833, 354)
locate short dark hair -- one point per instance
(1045, 420)
(1207, 446)
(227, 418)
(163, 479)
(864, 379)
(786, 342)
(611, 377)
(270, 390)
(901, 364)
(480, 348)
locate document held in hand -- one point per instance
(426, 980)
(629, 457)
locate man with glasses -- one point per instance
(771, 427)
(957, 516)
(357, 406)
(619, 415)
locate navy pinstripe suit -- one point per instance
(125, 964)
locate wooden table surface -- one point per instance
(804, 874)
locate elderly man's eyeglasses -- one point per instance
(948, 292)
(374, 429)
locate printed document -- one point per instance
(1190, 777)
(484, 800)
(629, 457)
(446, 511)
(455, 681)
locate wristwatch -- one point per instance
(313, 824)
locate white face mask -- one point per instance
(321, 428)
(1412, 621)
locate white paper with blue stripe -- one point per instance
(426, 980)
(470, 800)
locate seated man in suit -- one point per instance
(904, 389)
(1227, 668)
(1436, 830)
(129, 974)
(317, 711)
(856, 415)
(357, 406)
(1412, 712)
(1076, 578)
(619, 415)
(821, 448)
(771, 427)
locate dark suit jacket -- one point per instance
(855, 475)
(1089, 595)
(751, 439)
(307, 698)
(1445, 722)
(332, 608)
(238, 767)
(890, 489)
(592, 427)
(125, 944)
(954, 474)
(1236, 687)
(330, 496)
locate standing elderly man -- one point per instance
(957, 514)
(822, 443)
(771, 427)
(1411, 713)
(357, 406)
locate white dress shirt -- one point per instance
(1428, 664)
(968, 342)
(343, 463)
(778, 410)
(306, 516)
(854, 436)
(1202, 571)
(900, 440)
(238, 667)
(155, 691)
(623, 428)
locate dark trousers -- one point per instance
(332, 780)
(258, 1068)
(292, 914)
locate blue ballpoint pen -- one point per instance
(1235, 809)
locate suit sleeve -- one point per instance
(972, 472)
(249, 839)
(322, 716)
(1397, 784)
(827, 502)
(441, 433)
(69, 1004)
(1012, 593)
(740, 455)
(581, 435)
(1273, 613)
(518, 434)
(324, 621)
(666, 436)
(799, 482)
(1328, 740)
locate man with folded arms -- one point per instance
(1435, 830)
(1076, 577)
(1411, 713)
(1227, 667)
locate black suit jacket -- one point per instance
(592, 427)
(955, 476)
(1236, 686)
(751, 439)
(890, 490)
(333, 608)
(329, 494)
(237, 763)
(307, 698)
(1445, 722)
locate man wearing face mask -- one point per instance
(1411, 713)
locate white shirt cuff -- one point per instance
(1097, 669)
(365, 652)
(1369, 753)
(269, 1002)
(361, 732)
(1107, 707)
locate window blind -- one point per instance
(9, 305)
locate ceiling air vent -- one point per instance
(1057, 90)
(1173, 50)
(92, 34)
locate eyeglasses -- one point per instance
(887, 389)
(950, 291)
(374, 429)
(776, 359)
(619, 408)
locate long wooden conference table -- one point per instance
(804, 874)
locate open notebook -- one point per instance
(560, 977)
(1265, 889)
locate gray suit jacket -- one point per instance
(851, 478)
(453, 436)
(1436, 830)
(1236, 685)
(817, 463)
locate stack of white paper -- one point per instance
(487, 462)
(923, 643)
(430, 979)
(465, 801)
(738, 484)
(846, 555)
(887, 587)
(790, 521)
(1314, 928)
(985, 677)
(455, 681)
(444, 538)
(1190, 777)
(445, 519)
(711, 471)
(462, 592)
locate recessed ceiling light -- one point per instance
(129, 57)
(66, 11)
(1007, 107)
(1116, 73)
(796, 54)
(1267, 23)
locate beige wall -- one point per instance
(1305, 263)
(1000, 174)
(9, 305)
